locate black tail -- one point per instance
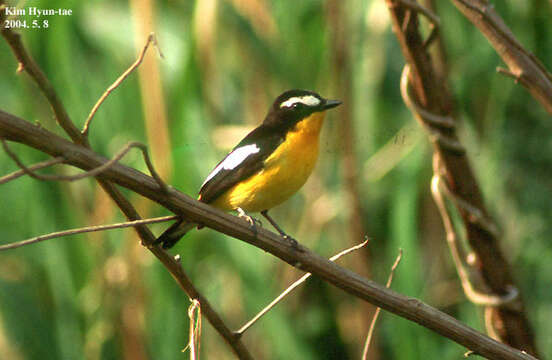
(174, 233)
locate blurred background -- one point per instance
(102, 296)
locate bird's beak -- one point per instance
(331, 104)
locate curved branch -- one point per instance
(93, 172)
(41, 165)
(15, 129)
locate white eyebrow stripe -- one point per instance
(308, 100)
(233, 159)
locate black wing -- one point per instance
(243, 161)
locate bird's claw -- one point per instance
(292, 242)
(253, 223)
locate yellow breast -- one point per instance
(284, 171)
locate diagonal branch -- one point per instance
(14, 129)
(523, 65)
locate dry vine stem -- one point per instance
(458, 255)
(426, 95)
(194, 313)
(27, 63)
(18, 130)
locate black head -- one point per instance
(294, 105)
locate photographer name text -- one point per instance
(34, 11)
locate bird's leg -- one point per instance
(251, 220)
(291, 240)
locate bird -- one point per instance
(268, 166)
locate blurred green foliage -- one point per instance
(103, 297)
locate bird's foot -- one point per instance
(292, 242)
(253, 223)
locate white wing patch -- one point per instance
(308, 100)
(233, 159)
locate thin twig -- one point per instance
(301, 280)
(194, 313)
(41, 165)
(378, 310)
(151, 39)
(164, 187)
(86, 229)
(508, 73)
(25, 169)
(90, 173)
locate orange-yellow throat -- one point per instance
(283, 173)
